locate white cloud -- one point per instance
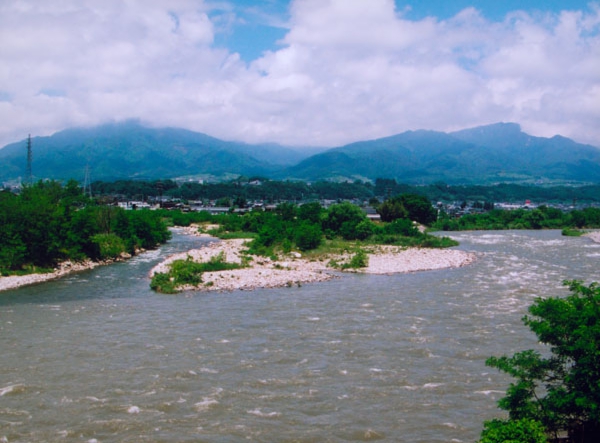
(347, 70)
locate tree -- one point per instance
(392, 209)
(419, 208)
(310, 212)
(561, 390)
(364, 230)
(343, 218)
(287, 211)
(535, 218)
(308, 236)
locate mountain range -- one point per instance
(500, 152)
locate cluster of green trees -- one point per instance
(241, 190)
(502, 192)
(305, 227)
(557, 390)
(410, 206)
(542, 217)
(47, 223)
(135, 189)
(274, 191)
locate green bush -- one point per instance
(359, 260)
(432, 241)
(364, 230)
(188, 272)
(308, 236)
(217, 263)
(513, 431)
(161, 282)
(571, 232)
(343, 217)
(111, 246)
(402, 226)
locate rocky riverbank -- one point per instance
(63, 269)
(294, 269)
(16, 281)
(595, 236)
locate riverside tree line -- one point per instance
(259, 188)
(47, 223)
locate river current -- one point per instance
(98, 357)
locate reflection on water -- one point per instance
(99, 357)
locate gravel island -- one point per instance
(294, 269)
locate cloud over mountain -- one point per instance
(345, 70)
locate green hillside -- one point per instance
(494, 153)
(130, 150)
(482, 155)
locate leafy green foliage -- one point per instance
(161, 282)
(218, 263)
(188, 272)
(274, 191)
(540, 218)
(343, 218)
(308, 236)
(364, 230)
(304, 227)
(392, 209)
(48, 223)
(572, 232)
(560, 390)
(513, 431)
(359, 260)
(401, 226)
(311, 212)
(409, 206)
(110, 245)
(419, 208)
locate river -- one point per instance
(98, 357)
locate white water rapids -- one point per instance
(98, 357)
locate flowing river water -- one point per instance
(98, 357)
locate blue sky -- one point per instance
(301, 72)
(263, 23)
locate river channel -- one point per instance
(98, 357)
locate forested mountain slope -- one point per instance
(488, 154)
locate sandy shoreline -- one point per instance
(295, 270)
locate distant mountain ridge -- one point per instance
(129, 150)
(494, 153)
(499, 152)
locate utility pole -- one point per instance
(29, 173)
(87, 186)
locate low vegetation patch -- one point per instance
(358, 260)
(188, 272)
(542, 217)
(572, 232)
